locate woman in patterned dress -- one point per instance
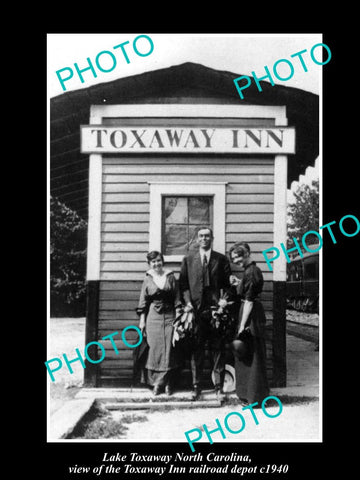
(159, 301)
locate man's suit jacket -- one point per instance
(191, 277)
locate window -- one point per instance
(181, 219)
(177, 209)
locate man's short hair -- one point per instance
(206, 228)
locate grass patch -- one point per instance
(297, 400)
(98, 423)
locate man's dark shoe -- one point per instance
(196, 393)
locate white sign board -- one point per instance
(110, 139)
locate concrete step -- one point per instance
(142, 399)
(142, 395)
(160, 405)
(64, 420)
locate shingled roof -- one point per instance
(185, 83)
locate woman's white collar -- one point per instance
(152, 273)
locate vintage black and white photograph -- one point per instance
(185, 249)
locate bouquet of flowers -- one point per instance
(183, 325)
(221, 317)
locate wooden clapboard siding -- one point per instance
(143, 266)
(240, 188)
(138, 256)
(253, 217)
(115, 174)
(135, 275)
(179, 159)
(250, 198)
(260, 239)
(130, 227)
(124, 247)
(249, 208)
(125, 235)
(241, 198)
(126, 207)
(139, 227)
(134, 217)
(125, 198)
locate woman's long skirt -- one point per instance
(162, 356)
(251, 378)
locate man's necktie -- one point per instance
(206, 280)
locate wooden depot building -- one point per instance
(162, 153)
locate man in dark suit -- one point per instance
(204, 274)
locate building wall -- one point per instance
(249, 216)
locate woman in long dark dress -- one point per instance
(159, 300)
(250, 364)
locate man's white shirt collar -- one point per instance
(206, 253)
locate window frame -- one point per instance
(188, 223)
(217, 190)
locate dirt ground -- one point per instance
(299, 420)
(66, 334)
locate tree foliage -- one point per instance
(303, 213)
(67, 260)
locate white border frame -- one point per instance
(280, 209)
(197, 110)
(93, 256)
